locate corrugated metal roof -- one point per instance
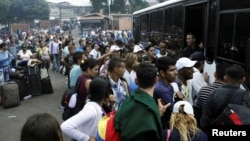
(94, 16)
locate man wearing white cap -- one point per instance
(115, 49)
(184, 67)
(139, 52)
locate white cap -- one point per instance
(114, 48)
(1, 41)
(184, 62)
(137, 48)
(188, 108)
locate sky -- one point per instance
(80, 2)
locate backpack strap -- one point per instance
(78, 83)
(245, 99)
(236, 98)
(230, 98)
(126, 87)
(125, 83)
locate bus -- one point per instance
(223, 26)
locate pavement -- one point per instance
(12, 119)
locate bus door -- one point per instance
(195, 21)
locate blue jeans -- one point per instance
(55, 60)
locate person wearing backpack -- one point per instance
(83, 126)
(90, 70)
(217, 101)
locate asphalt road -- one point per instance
(12, 119)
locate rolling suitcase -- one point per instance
(34, 81)
(10, 94)
(22, 87)
(19, 76)
(47, 86)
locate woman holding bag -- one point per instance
(42, 53)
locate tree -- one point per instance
(37, 9)
(23, 10)
(98, 5)
(4, 4)
(137, 5)
(118, 6)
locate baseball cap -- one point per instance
(197, 56)
(114, 48)
(1, 41)
(137, 48)
(188, 108)
(184, 62)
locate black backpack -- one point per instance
(236, 114)
(66, 97)
(67, 111)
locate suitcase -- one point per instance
(47, 86)
(34, 81)
(22, 87)
(19, 76)
(10, 94)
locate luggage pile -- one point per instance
(24, 82)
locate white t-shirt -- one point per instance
(25, 56)
(94, 54)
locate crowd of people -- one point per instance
(153, 94)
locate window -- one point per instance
(234, 4)
(174, 20)
(233, 36)
(156, 20)
(144, 27)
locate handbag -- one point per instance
(44, 73)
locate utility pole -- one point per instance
(109, 2)
(60, 14)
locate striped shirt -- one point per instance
(205, 92)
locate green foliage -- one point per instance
(4, 4)
(19, 10)
(138, 4)
(118, 6)
(98, 5)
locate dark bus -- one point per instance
(223, 26)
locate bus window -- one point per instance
(232, 4)
(144, 27)
(174, 20)
(233, 37)
(156, 20)
(168, 20)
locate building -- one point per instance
(121, 21)
(65, 11)
(94, 21)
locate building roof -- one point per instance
(93, 16)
